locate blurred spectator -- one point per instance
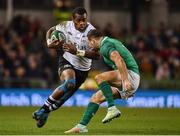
(20, 80)
(33, 67)
(1, 68)
(61, 10)
(163, 72)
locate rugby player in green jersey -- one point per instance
(120, 83)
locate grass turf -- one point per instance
(136, 121)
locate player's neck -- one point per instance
(100, 40)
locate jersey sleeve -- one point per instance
(61, 26)
(107, 49)
(90, 26)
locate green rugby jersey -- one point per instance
(108, 45)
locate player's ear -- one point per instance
(94, 41)
(73, 17)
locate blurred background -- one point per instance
(150, 29)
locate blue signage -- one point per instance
(143, 98)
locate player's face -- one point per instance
(80, 22)
(93, 44)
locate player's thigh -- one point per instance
(80, 77)
(67, 74)
(99, 98)
(112, 77)
(66, 70)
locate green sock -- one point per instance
(89, 113)
(107, 92)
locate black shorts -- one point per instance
(80, 75)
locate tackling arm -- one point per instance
(92, 54)
(120, 64)
(117, 59)
(69, 47)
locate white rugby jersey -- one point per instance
(79, 39)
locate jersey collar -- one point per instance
(103, 40)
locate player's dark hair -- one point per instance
(94, 34)
(79, 11)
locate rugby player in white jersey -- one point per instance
(75, 61)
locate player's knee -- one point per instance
(97, 98)
(70, 84)
(94, 99)
(98, 79)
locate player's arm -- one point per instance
(52, 44)
(121, 66)
(91, 54)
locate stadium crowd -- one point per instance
(24, 58)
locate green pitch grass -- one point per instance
(18, 120)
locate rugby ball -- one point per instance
(58, 35)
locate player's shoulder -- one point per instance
(106, 41)
(111, 41)
(69, 23)
(64, 24)
(90, 26)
